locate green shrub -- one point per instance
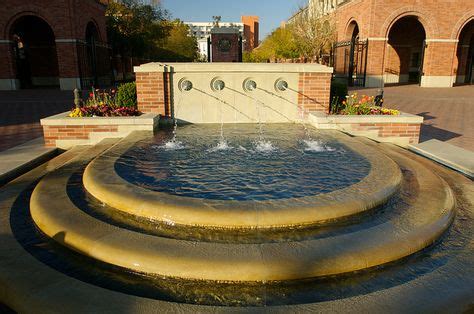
(127, 95)
(338, 94)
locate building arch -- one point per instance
(92, 24)
(38, 13)
(426, 20)
(462, 22)
(92, 39)
(34, 53)
(405, 51)
(352, 30)
(465, 54)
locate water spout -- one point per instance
(185, 85)
(281, 85)
(249, 85)
(217, 84)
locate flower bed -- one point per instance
(109, 103)
(105, 114)
(366, 105)
(402, 129)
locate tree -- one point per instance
(179, 46)
(144, 31)
(280, 44)
(133, 27)
(217, 19)
(313, 33)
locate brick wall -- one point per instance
(218, 54)
(387, 130)
(67, 19)
(52, 133)
(314, 91)
(251, 32)
(153, 94)
(442, 23)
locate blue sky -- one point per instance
(271, 12)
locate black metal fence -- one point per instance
(349, 59)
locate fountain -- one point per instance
(272, 218)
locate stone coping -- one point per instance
(233, 67)
(63, 119)
(34, 287)
(102, 181)
(457, 158)
(19, 159)
(324, 118)
(430, 213)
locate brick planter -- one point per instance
(64, 132)
(402, 130)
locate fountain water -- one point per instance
(218, 85)
(311, 145)
(185, 86)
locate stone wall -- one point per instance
(159, 92)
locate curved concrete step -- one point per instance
(430, 214)
(102, 181)
(35, 287)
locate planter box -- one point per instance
(64, 132)
(402, 130)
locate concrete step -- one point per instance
(429, 215)
(104, 183)
(454, 157)
(22, 158)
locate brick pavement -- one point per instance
(20, 112)
(448, 112)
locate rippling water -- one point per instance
(242, 165)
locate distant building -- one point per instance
(226, 45)
(247, 29)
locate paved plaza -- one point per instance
(21, 111)
(448, 112)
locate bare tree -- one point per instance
(314, 33)
(217, 19)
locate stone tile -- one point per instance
(448, 112)
(447, 154)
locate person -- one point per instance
(21, 57)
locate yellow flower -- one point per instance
(75, 113)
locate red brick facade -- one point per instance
(228, 52)
(251, 32)
(53, 133)
(411, 131)
(66, 58)
(153, 94)
(314, 91)
(394, 41)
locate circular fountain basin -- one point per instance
(430, 213)
(285, 184)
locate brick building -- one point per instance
(251, 32)
(53, 43)
(402, 41)
(226, 45)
